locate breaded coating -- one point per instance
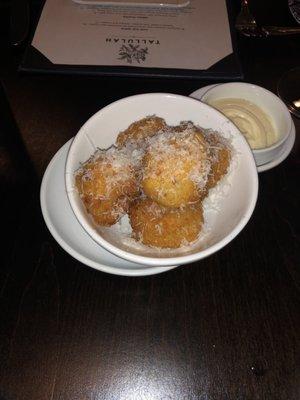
(158, 175)
(138, 131)
(186, 125)
(220, 156)
(106, 184)
(158, 226)
(175, 168)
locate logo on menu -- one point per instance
(133, 50)
(132, 53)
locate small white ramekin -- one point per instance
(268, 102)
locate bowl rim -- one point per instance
(267, 92)
(162, 261)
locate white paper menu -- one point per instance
(192, 37)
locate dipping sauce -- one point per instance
(251, 120)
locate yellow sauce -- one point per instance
(251, 120)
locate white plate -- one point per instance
(198, 94)
(69, 234)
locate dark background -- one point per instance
(223, 328)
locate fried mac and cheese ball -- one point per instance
(138, 131)
(158, 175)
(175, 167)
(106, 184)
(164, 227)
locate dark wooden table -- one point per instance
(223, 328)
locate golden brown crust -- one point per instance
(220, 156)
(138, 131)
(175, 170)
(158, 226)
(158, 175)
(106, 193)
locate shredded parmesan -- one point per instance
(185, 143)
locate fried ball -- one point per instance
(186, 125)
(164, 227)
(175, 168)
(106, 184)
(138, 131)
(220, 156)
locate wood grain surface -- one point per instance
(225, 328)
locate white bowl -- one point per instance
(235, 208)
(268, 102)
